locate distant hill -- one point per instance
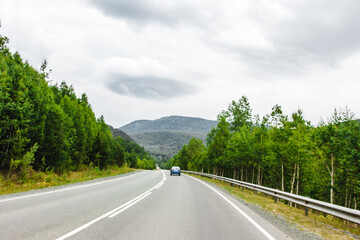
(172, 123)
(117, 132)
(164, 137)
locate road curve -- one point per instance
(142, 205)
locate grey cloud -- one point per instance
(328, 30)
(145, 11)
(281, 63)
(148, 87)
(319, 34)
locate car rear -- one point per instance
(175, 170)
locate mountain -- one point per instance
(117, 132)
(171, 123)
(164, 137)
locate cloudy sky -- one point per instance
(145, 59)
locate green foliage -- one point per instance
(191, 156)
(238, 114)
(145, 164)
(131, 159)
(23, 166)
(282, 152)
(40, 179)
(46, 127)
(217, 146)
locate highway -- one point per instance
(139, 205)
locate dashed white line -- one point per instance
(238, 209)
(129, 205)
(159, 186)
(115, 211)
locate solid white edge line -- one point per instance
(238, 209)
(86, 225)
(68, 189)
(133, 203)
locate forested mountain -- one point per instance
(119, 133)
(282, 152)
(165, 136)
(47, 127)
(171, 123)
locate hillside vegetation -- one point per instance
(171, 123)
(119, 133)
(282, 152)
(47, 127)
(163, 137)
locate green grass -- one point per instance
(37, 180)
(328, 227)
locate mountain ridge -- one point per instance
(170, 123)
(117, 132)
(165, 136)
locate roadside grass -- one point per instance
(327, 227)
(37, 180)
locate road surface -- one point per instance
(140, 205)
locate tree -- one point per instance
(131, 159)
(195, 152)
(299, 146)
(217, 146)
(279, 135)
(61, 126)
(238, 114)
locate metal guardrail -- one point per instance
(349, 214)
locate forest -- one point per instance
(282, 152)
(46, 127)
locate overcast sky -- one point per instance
(143, 59)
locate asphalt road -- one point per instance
(141, 205)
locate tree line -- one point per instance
(282, 152)
(47, 127)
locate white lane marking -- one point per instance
(238, 209)
(129, 205)
(68, 189)
(159, 185)
(86, 225)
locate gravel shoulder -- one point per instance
(281, 223)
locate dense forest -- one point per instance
(282, 152)
(48, 128)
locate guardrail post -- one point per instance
(306, 209)
(275, 198)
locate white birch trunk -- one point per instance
(282, 176)
(298, 179)
(332, 180)
(355, 203)
(242, 173)
(293, 179)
